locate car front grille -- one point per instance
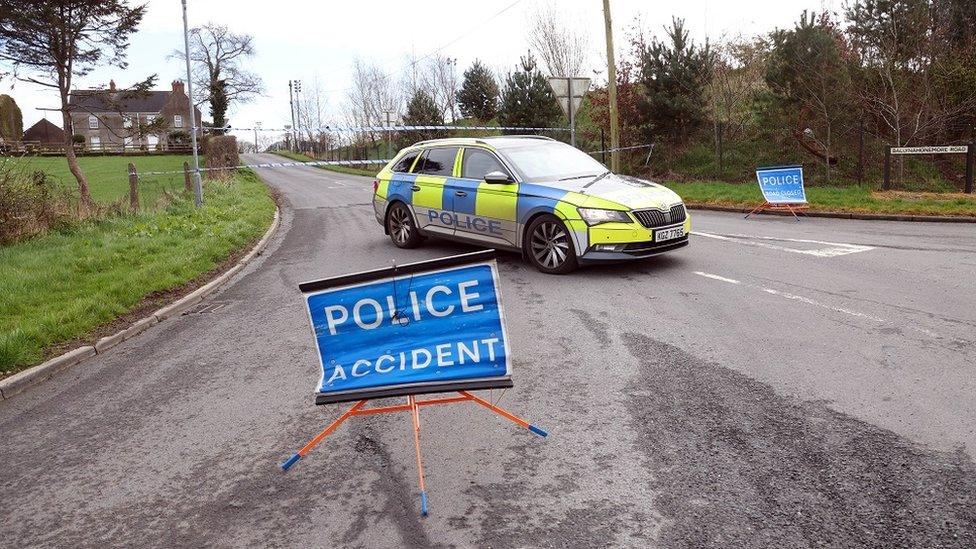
(660, 218)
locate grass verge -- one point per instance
(63, 285)
(108, 176)
(832, 199)
(348, 170)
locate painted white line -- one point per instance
(716, 277)
(793, 297)
(833, 249)
(809, 301)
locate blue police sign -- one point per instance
(424, 327)
(782, 184)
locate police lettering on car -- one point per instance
(552, 202)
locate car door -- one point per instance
(430, 201)
(484, 211)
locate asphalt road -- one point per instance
(774, 384)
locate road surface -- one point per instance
(774, 384)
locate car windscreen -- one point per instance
(551, 161)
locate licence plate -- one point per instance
(669, 234)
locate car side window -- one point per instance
(403, 166)
(438, 161)
(476, 163)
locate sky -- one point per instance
(319, 40)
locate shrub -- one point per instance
(78, 139)
(221, 154)
(30, 203)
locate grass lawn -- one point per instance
(61, 286)
(349, 170)
(834, 199)
(108, 176)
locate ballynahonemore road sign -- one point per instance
(936, 149)
(427, 327)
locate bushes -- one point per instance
(221, 154)
(30, 203)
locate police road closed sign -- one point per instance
(782, 184)
(424, 327)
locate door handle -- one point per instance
(460, 193)
(415, 188)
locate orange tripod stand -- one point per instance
(413, 406)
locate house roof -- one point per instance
(45, 131)
(103, 101)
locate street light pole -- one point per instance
(291, 106)
(257, 126)
(197, 186)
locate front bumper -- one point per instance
(634, 250)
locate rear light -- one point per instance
(376, 185)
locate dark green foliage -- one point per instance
(423, 111)
(673, 75)
(527, 99)
(11, 119)
(478, 97)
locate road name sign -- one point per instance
(940, 149)
(424, 327)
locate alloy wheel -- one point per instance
(550, 244)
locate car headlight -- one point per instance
(595, 216)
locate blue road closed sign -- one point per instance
(424, 327)
(782, 184)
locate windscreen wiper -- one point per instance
(578, 177)
(599, 177)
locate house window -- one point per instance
(96, 142)
(177, 121)
(92, 122)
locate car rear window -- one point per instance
(438, 161)
(403, 166)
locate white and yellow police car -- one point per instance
(552, 202)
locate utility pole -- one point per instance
(291, 106)
(389, 135)
(612, 86)
(257, 126)
(197, 186)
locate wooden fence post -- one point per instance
(187, 185)
(133, 188)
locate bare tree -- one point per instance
(440, 80)
(563, 48)
(219, 76)
(737, 78)
(372, 93)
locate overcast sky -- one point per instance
(319, 40)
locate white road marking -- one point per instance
(716, 277)
(833, 249)
(809, 301)
(793, 297)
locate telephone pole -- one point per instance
(612, 86)
(197, 185)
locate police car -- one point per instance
(552, 202)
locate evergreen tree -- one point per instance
(478, 96)
(422, 110)
(673, 75)
(11, 119)
(527, 100)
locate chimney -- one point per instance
(178, 87)
(111, 85)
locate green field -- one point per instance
(61, 286)
(859, 199)
(108, 176)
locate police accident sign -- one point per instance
(424, 327)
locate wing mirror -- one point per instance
(498, 177)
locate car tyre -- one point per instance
(549, 246)
(401, 227)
